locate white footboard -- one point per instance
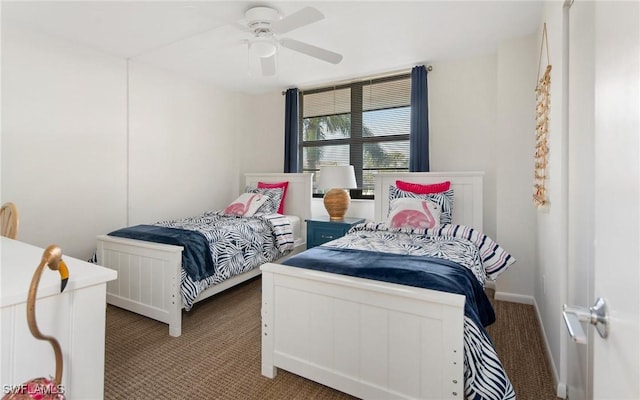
(367, 338)
(148, 278)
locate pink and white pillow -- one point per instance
(246, 204)
(413, 213)
(444, 200)
(275, 185)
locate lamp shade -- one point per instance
(337, 177)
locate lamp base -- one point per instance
(336, 201)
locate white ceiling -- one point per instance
(200, 39)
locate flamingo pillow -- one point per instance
(413, 213)
(246, 204)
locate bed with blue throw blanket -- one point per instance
(217, 246)
(166, 267)
(448, 259)
(392, 312)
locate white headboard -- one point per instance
(467, 193)
(299, 192)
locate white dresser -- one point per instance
(76, 318)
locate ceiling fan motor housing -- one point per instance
(259, 20)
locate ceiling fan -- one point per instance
(265, 24)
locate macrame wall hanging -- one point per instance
(543, 100)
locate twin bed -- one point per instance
(367, 337)
(377, 339)
(151, 280)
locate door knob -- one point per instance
(596, 315)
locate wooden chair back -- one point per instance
(9, 220)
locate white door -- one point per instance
(616, 360)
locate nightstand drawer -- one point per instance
(322, 235)
(320, 231)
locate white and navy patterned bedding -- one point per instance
(493, 258)
(237, 244)
(485, 378)
(460, 251)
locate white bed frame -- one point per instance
(370, 339)
(149, 273)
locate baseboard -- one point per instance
(561, 391)
(514, 298)
(561, 387)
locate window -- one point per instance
(365, 124)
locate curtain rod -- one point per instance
(368, 78)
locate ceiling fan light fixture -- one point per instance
(265, 23)
(262, 48)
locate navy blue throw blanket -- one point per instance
(196, 256)
(418, 271)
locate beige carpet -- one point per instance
(517, 337)
(218, 354)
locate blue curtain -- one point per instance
(419, 133)
(291, 112)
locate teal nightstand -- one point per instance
(322, 230)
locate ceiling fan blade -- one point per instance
(268, 65)
(311, 50)
(305, 16)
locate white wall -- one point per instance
(263, 145)
(515, 135)
(462, 119)
(63, 139)
(78, 159)
(182, 139)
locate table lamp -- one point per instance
(337, 178)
